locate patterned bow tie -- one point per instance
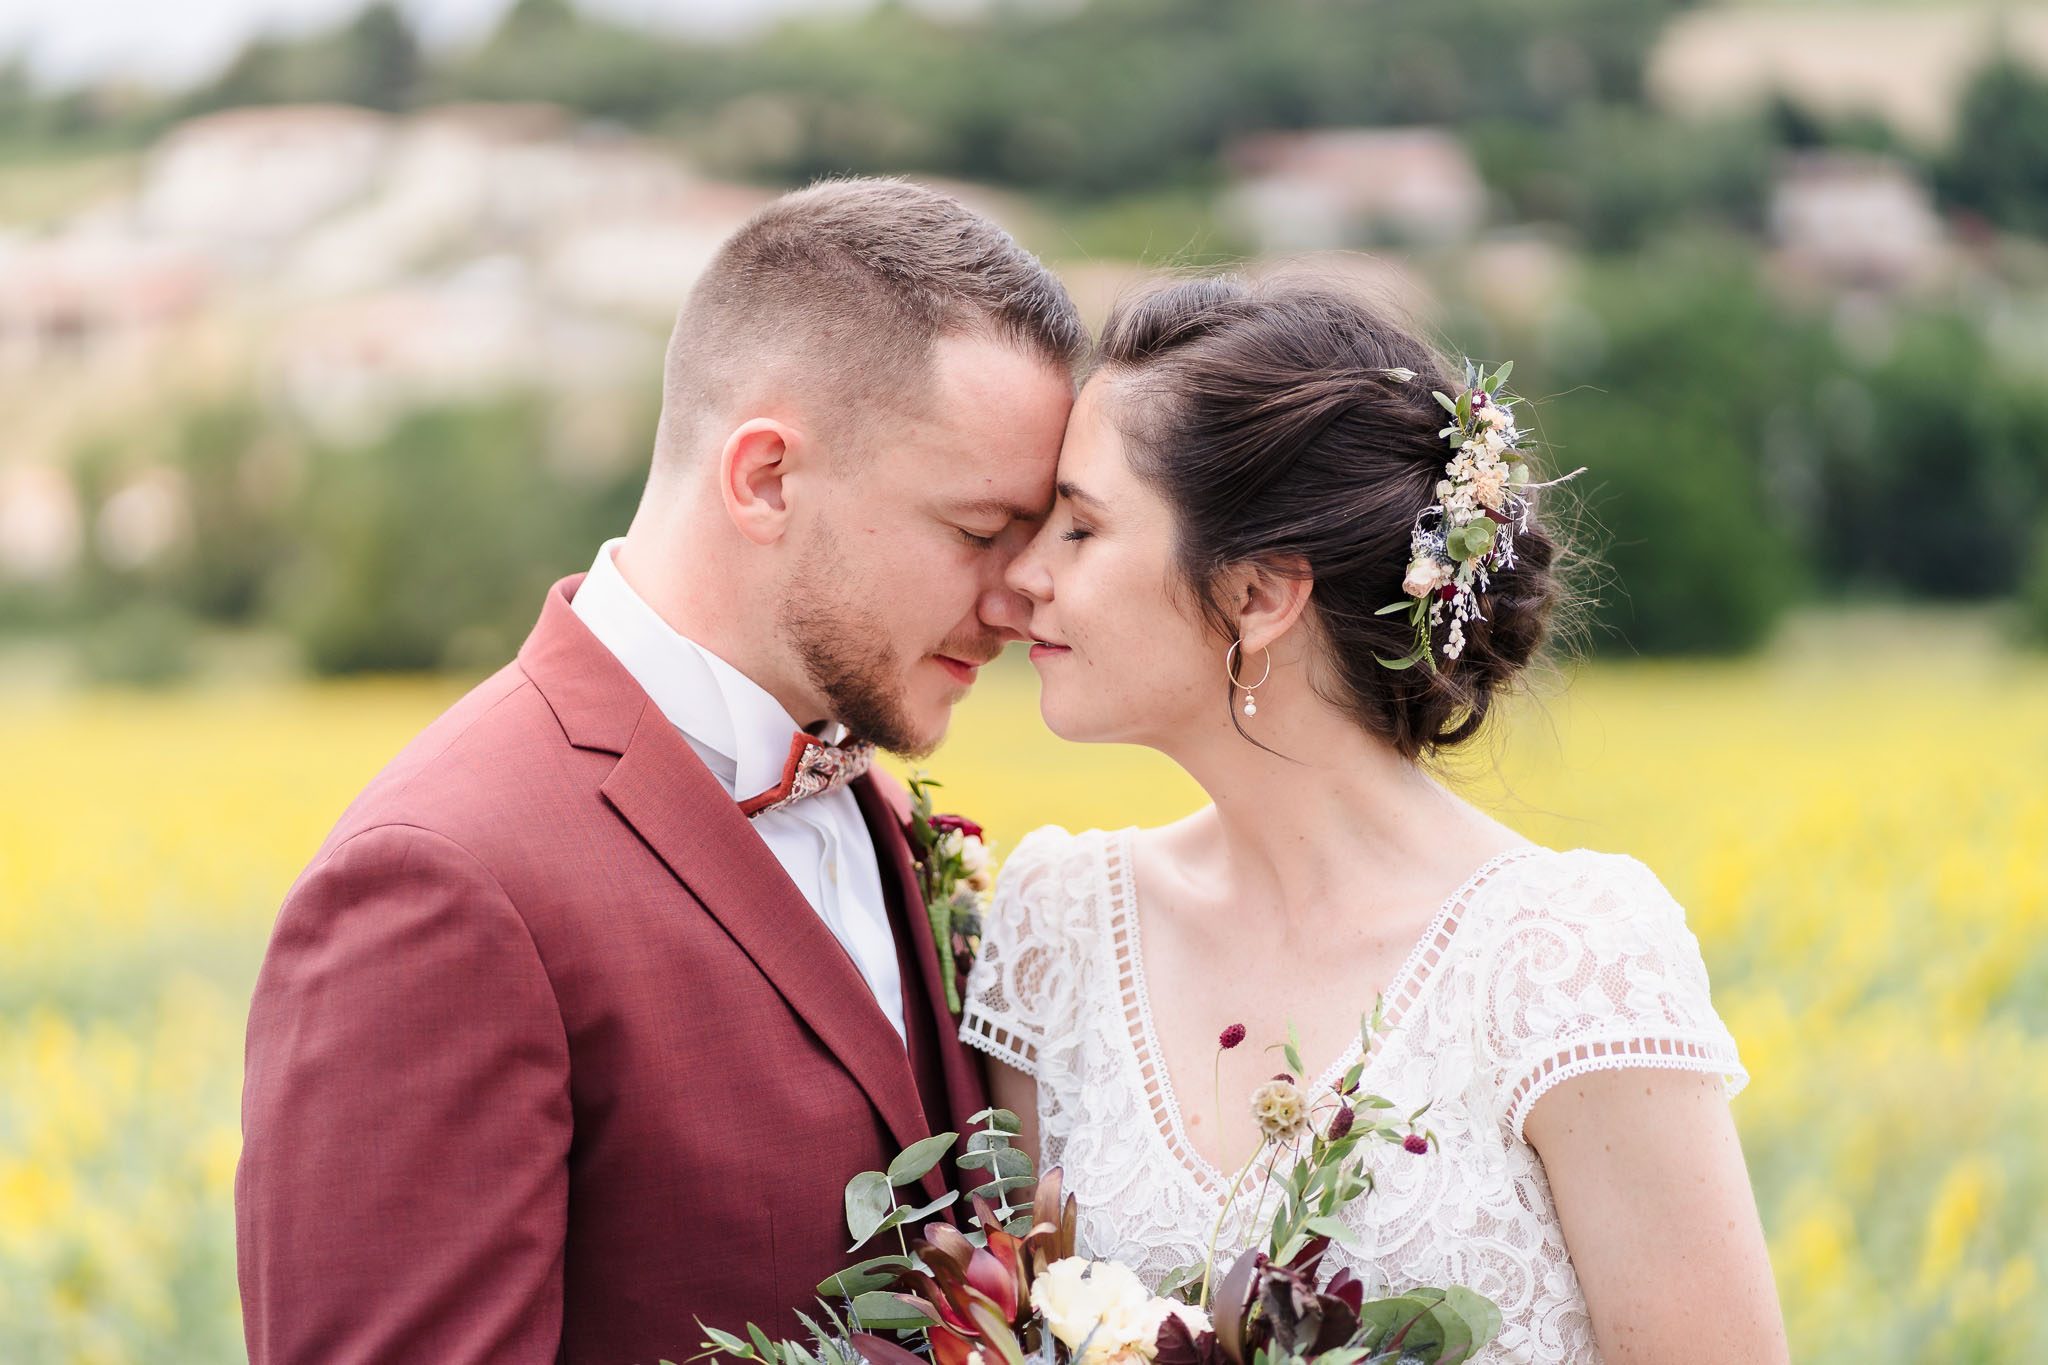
(814, 768)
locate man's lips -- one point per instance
(964, 671)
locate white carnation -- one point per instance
(1105, 1305)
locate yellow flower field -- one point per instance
(1862, 847)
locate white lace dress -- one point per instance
(1544, 965)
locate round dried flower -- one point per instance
(1417, 1144)
(1230, 1037)
(1281, 1109)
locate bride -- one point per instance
(1250, 476)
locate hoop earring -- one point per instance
(1230, 658)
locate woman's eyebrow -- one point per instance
(1075, 493)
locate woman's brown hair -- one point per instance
(1267, 416)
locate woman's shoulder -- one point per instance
(1054, 846)
(1614, 897)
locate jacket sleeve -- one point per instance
(403, 1187)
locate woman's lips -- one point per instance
(1040, 650)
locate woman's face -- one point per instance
(1121, 651)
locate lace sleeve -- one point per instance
(1601, 973)
(1014, 987)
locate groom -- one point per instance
(582, 1017)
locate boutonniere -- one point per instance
(953, 873)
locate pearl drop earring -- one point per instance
(1230, 659)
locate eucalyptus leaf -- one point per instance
(1002, 1161)
(1008, 1184)
(887, 1312)
(867, 1203)
(727, 1342)
(876, 1273)
(896, 1218)
(1444, 401)
(919, 1157)
(1336, 1229)
(1406, 604)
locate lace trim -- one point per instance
(1673, 1054)
(999, 1040)
(1408, 981)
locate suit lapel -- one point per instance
(662, 790)
(965, 1085)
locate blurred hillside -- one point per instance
(358, 343)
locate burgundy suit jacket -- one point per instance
(548, 1058)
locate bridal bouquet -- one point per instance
(1011, 1289)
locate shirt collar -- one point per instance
(720, 708)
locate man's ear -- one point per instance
(1268, 599)
(752, 467)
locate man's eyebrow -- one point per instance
(1075, 493)
(1000, 507)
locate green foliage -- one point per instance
(1671, 416)
(433, 546)
(1621, 176)
(373, 60)
(1998, 160)
(2034, 592)
(141, 644)
(1936, 473)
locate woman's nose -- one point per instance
(1027, 573)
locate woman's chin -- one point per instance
(1080, 726)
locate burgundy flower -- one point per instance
(1417, 1144)
(1283, 1076)
(1230, 1037)
(946, 824)
(1340, 1122)
(1480, 398)
(1448, 591)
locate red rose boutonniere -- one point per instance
(953, 872)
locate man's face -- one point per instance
(898, 598)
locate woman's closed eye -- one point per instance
(1076, 532)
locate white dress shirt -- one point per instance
(742, 734)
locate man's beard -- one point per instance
(847, 655)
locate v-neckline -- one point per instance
(1126, 935)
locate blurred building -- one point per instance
(1859, 220)
(1344, 187)
(86, 296)
(244, 183)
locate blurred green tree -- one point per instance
(432, 547)
(1998, 162)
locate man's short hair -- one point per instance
(845, 287)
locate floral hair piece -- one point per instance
(1481, 505)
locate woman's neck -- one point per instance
(1334, 815)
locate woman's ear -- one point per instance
(1268, 599)
(752, 467)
